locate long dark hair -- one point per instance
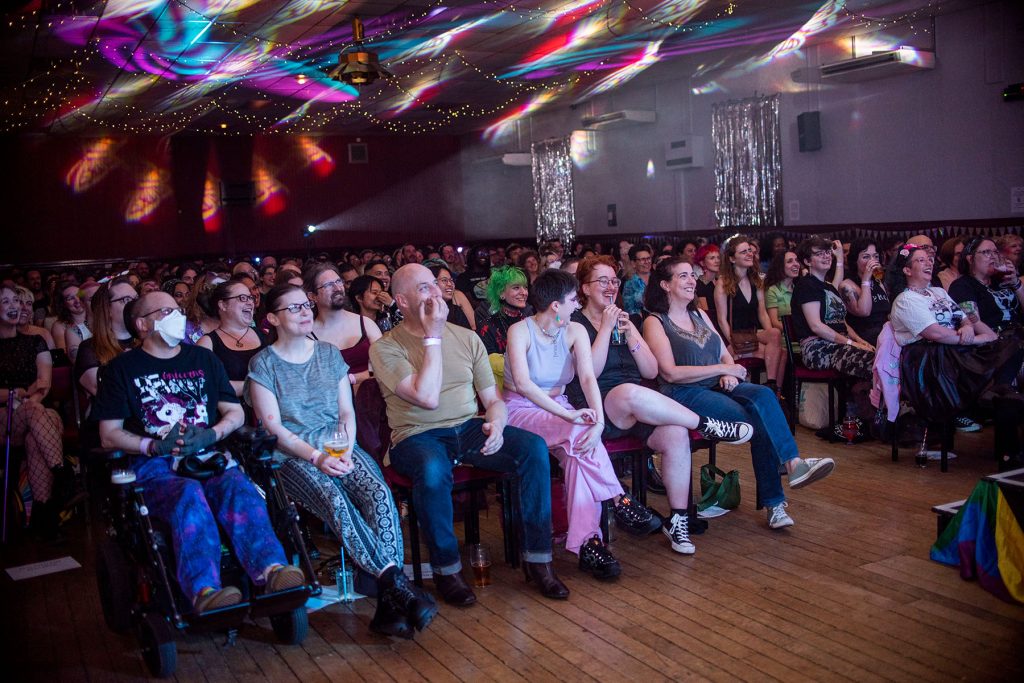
(358, 287)
(656, 298)
(857, 246)
(777, 269)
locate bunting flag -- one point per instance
(985, 540)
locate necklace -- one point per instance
(238, 340)
(923, 291)
(553, 336)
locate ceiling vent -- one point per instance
(902, 60)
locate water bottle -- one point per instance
(921, 460)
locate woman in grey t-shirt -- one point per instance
(300, 390)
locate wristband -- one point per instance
(314, 456)
(633, 350)
(431, 341)
(144, 445)
(866, 283)
(849, 342)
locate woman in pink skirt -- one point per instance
(545, 351)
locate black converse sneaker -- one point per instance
(635, 518)
(596, 559)
(678, 531)
(722, 430)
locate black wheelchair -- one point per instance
(135, 570)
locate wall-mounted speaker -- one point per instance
(358, 153)
(237, 193)
(808, 126)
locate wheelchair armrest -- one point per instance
(251, 444)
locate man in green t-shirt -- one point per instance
(431, 374)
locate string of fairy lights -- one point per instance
(53, 96)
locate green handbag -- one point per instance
(719, 488)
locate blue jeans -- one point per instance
(771, 445)
(428, 459)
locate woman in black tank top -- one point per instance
(234, 341)
(739, 303)
(701, 374)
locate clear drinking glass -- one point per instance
(480, 561)
(338, 444)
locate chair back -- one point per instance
(373, 433)
(787, 336)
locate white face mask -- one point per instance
(171, 328)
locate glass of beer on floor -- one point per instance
(480, 560)
(338, 444)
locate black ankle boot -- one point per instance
(63, 488)
(404, 597)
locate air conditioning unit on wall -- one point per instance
(902, 60)
(686, 152)
(615, 119)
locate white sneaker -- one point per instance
(712, 511)
(777, 517)
(678, 531)
(811, 470)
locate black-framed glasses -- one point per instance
(605, 281)
(166, 311)
(333, 284)
(295, 308)
(124, 299)
(244, 298)
(821, 252)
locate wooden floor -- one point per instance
(846, 594)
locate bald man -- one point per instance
(431, 374)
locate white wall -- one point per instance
(936, 145)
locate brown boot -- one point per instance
(454, 589)
(544, 574)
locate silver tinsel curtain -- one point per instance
(748, 162)
(552, 191)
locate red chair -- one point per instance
(801, 373)
(373, 433)
(753, 365)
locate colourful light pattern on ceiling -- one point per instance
(162, 66)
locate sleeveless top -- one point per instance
(703, 346)
(357, 356)
(871, 326)
(550, 364)
(619, 368)
(744, 313)
(236, 361)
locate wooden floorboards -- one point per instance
(848, 594)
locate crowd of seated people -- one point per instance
(493, 357)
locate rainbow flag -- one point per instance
(985, 540)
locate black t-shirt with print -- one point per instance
(997, 308)
(152, 394)
(808, 289)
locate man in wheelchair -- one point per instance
(171, 404)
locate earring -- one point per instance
(558, 318)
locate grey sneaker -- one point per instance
(678, 531)
(777, 517)
(811, 470)
(712, 511)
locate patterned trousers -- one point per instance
(358, 507)
(192, 509)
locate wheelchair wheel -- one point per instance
(291, 627)
(116, 585)
(159, 651)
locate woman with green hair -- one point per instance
(507, 293)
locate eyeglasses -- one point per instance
(244, 298)
(605, 281)
(166, 312)
(295, 308)
(446, 281)
(124, 299)
(986, 252)
(333, 284)
(821, 252)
